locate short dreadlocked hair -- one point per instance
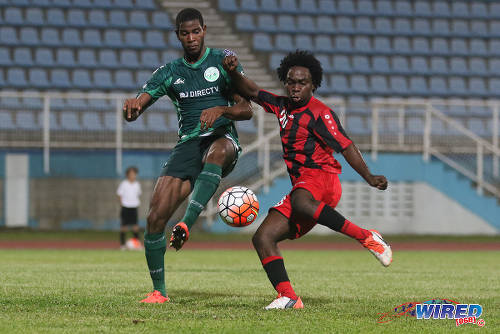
(187, 14)
(301, 58)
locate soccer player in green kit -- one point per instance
(208, 144)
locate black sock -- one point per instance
(275, 269)
(122, 238)
(329, 217)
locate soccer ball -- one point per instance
(238, 206)
(133, 244)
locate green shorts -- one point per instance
(186, 160)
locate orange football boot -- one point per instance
(155, 297)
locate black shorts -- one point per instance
(128, 216)
(186, 161)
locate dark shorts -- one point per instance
(325, 187)
(128, 216)
(186, 161)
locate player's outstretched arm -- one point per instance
(240, 111)
(353, 156)
(244, 86)
(133, 108)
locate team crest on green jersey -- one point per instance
(211, 74)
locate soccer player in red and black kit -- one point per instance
(310, 133)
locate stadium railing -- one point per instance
(462, 134)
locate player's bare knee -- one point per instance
(218, 155)
(258, 239)
(155, 222)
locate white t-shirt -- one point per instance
(129, 193)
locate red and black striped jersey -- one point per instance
(309, 134)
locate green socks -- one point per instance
(204, 188)
(155, 246)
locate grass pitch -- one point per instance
(76, 291)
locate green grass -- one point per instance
(29, 234)
(45, 291)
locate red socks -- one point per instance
(354, 231)
(285, 289)
(329, 217)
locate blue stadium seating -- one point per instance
(426, 37)
(478, 127)
(100, 104)
(245, 22)
(65, 57)
(143, 77)
(250, 6)
(270, 6)
(97, 18)
(162, 21)
(118, 19)
(357, 126)
(228, 5)
(381, 64)
(155, 39)
(110, 121)
(266, 23)
(6, 121)
(60, 78)
(113, 38)
(92, 37)
(418, 86)
(5, 57)
(102, 79)
(139, 19)
(86, 58)
(38, 78)
(76, 17)
(168, 56)
(137, 125)
(34, 16)
(148, 58)
(44, 57)
(108, 59)
(26, 120)
(284, 43)
(81, 78)
(379, 85)
(91, 121)
(56, 17)
(29, 36)
(22, 56)
(156, 122)
(16, 77)
(124, 80)
(32, 102)
(129, 59)
(69, 121)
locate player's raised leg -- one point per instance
(274, 229)
(168, 193)
(220, 156)
(304, 203)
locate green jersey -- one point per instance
(193, 88)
